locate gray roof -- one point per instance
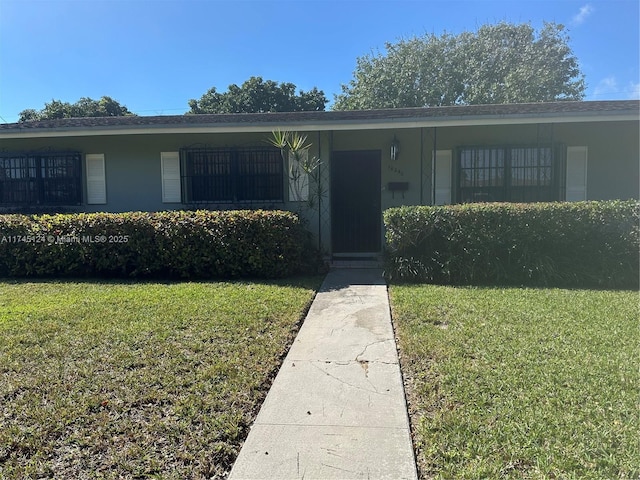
(355, 117)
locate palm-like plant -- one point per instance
(303, 170)
(305, 182)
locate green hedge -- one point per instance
(177, 244)
(537, 244)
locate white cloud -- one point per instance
(606, 86)
(610, 89)
(581, 16)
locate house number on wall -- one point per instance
(396, 170)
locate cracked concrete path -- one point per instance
(336, 409)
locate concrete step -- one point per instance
(356, 262)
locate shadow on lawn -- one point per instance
(304, 281)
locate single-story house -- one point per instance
(369, 161)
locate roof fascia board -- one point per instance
(322, 126)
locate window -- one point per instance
(229, 175)
(508, 174)
(51, 178)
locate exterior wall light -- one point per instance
(395, 149)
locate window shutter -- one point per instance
(170, 169)
(442, 177)
(298, 178)
(96, 183)
(576, 174)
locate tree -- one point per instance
(85, 107)
(256, 95)
(503, 63)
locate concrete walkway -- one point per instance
(336, 409)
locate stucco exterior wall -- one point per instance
(613, 151)
(613, 163)
(406, 168)
(133, 166)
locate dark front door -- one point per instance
(355, 202)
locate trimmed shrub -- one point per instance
(176, 244)
(592, 244)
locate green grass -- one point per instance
(521, 383)
(137, 380)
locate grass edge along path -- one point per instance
(520, 383)
(132, 380)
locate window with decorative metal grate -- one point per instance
(231, 175)
(509, 174)
(40, 178)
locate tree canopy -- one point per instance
(85, 107)
(502, 63)
(256, 95)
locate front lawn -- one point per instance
(133, 380)
(521, 383)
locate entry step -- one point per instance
(356, 262)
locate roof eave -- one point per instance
(335, 125)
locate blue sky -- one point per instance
(155, 55)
